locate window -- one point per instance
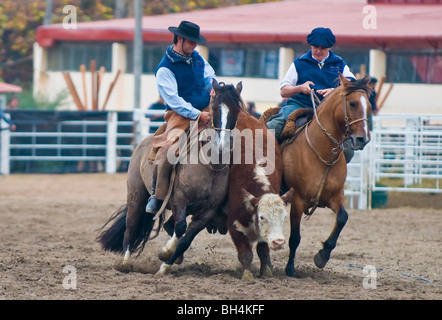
(414, 67)
(69, 56)
(355, 59)
(152, 55)
(245, 62)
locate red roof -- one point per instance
(7, 88)
(407, 25)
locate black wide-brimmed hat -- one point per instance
(188, 30)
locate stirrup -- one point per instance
(153, 205)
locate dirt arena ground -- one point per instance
(48, 227)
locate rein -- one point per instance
(338, 144)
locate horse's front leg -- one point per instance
(322, 257)
(169, 249)
(180, 225)
(197, 224)
(296, 212)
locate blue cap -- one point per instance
(321, 37)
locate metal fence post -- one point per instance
(111, 142)
(5, 137)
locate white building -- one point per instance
(256, 44)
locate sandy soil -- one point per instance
(48, 227)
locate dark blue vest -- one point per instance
(323, 77)
(189, 78)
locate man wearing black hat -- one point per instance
(184, 81)
(318, 70)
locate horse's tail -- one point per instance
(111, 239)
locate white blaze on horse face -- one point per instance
(271, 219)
(224, 137)
(365, 109)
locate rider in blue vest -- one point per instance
(317, 70)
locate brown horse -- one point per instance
(199, 189)
(314, 165)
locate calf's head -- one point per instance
(270, 212)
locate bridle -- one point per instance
(338, 144)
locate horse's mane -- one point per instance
(228, 95)
(355, 85)
(349, 87)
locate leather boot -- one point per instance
(153, 204)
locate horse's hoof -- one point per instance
(267, 272)
(164, 269)
(179, 260)
(319, 260)
(290, 272)
(126, 257)
(247, 275)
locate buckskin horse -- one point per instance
(199, 189)
(314, 166)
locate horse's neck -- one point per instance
(327, 120)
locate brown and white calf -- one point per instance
(256, 211)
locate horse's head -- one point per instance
(225, 104)
(354, 110)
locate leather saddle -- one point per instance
(295, 123)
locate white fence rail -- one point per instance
(106, 142)
(405, 153)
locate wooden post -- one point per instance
(99, 79)
(83, 75)
(363, 70)
(379, 89)
(93, 68)
(381, 103)
(110, 89)
(73, 91)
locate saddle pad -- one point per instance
(293, 123)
